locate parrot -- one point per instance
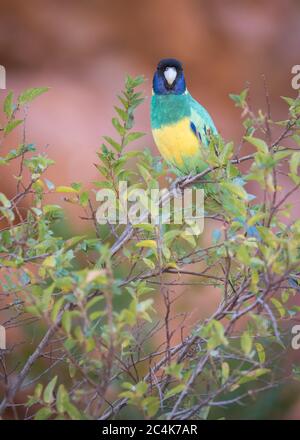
(181, 126)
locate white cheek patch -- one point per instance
(170, 75)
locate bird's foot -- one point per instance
(175, 187)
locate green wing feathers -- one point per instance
(202, 121)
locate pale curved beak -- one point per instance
(170, 75)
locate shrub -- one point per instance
(97, 311)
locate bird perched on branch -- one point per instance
(181, 127)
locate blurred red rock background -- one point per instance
(82, 50)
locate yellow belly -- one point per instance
(177, 142)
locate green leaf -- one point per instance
(147, 243)
(76, 185)
(242, 255)
(30, 94)
(226, 153)
(289, 101)
(48, 392)
(120, 129)
(84, 198)
(43, 414)
(50, 262)
(38, 391)
(214, 330)
(122, 113)
(61, 397)
(285, 296)
(188, 238)
(12, 125)
(72, 370)
(94, 301)
(145, 226)
(246, 343)
(133, 136)
(175, 369)
(66, 321)
(240, 99)
(235, 189)
(56, 308)
(296, 138)
(72, 411)
(4, 200)
(144, 173)
(256, 218)
(253, 375)
(260, 352)
(66, 189)
(225, 372)
(53, 212)
(96, 315)
(260, 144)
(72, 242)
(149, 263)
(151, 405)
(294, 163)
(127, 385)
(175, 390)
(279, 155)
(280, 309)
(113, 143)
(8, 105)
(141, 388)
(134, 82)
(169, 236)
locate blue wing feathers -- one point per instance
(194, 129)
(201, 121)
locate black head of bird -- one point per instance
(169, 78)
